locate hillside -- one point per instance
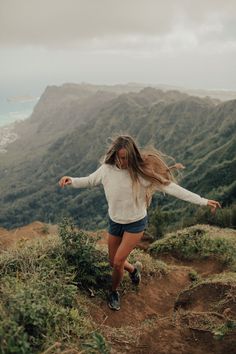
(187, 296)
(68, 133)
(59, 111)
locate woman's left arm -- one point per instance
(181, 193)
(213, 204)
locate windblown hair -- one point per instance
(149, 164)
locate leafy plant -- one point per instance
(96, 344)
(91, 265)
(226, 328)
(194, 243)
(158, 222)
(39, 301)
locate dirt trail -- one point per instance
(151, 320)
(149, 324)
(153, 299)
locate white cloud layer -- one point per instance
(59, 22)
(183, 42)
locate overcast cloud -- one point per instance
(180, 42)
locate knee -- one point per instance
(118, 263)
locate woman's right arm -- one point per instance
(65, 181)
(93, 179)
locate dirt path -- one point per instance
(148, 323)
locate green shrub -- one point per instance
(13, 338)
(38, 315)
(225, 217)
(91, 264)
(39, 301)
(158, 222)
(195, 243)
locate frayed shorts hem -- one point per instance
(118, 230)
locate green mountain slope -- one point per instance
(197, 132)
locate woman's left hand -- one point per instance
(213, 204)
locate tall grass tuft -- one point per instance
(40, 303)
(194, 242)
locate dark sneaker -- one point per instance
(114, 300)
(136, 275)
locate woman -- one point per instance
(130, 177)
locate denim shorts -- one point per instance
(118, 230)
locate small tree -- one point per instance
(158, 222)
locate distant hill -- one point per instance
(68, 132)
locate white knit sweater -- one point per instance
(117, 184)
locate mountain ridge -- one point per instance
(197, 132)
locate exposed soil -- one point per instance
(154, 319)
(204, 267)
(37, 229)
(154, 298)
(162, 316)
(215, 296)
(150, 323)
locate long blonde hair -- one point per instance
(149, 163)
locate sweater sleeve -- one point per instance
(93, 179)
(181, 193)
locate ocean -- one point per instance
(15, 108)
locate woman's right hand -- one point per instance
(65, 181)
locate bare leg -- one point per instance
(127, 244)
(113, 245)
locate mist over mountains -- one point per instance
(68, 133)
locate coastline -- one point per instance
(7, 136)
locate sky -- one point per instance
(184, 43)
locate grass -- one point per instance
(197, 243)
(40, 302)
(211, 322)
(202, 242)
(219, 316)
(45, 283)
(151, 266)
(45, 287)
